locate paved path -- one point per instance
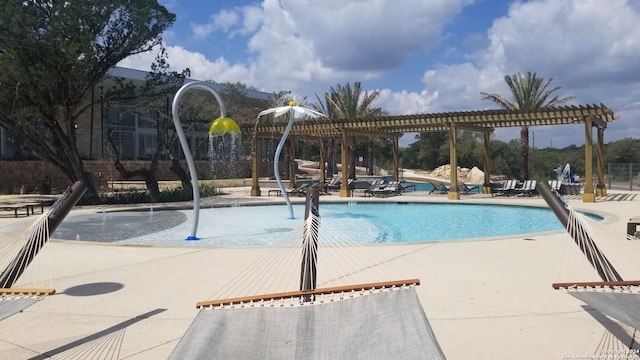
(486, 299)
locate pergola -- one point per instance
(484, 121)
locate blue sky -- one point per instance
(423, 55)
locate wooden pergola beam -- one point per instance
(437, 122)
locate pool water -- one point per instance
(268, 224)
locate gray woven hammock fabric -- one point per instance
(382, 325)
(624, 307)
(10, 306)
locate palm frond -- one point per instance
(529, 92)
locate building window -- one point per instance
(147, 146)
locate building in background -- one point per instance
(135, 136)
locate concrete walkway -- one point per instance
(485, 299)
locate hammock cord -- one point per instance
(334, 260)
(18, 252)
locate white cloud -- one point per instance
(304, 42)
(218, 70)
(241, 20)
(371, 35)
(590, 49)
(578, 41)
(405, 102)
(587, 48)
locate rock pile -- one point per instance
(473, 176)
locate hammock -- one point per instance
(600, 266)
(379, 319)
(23, 281)
(15, 296)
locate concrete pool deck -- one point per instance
(486, 299)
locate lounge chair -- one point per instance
(438, 187)
(466, 189)
(508, 187)
(375, 186)
(408, 187)
(298, 191)
(528, 187)
(333, 184)
(392, 188)
(555, 185)
(301, 190)
(28, 208)
(324, 188)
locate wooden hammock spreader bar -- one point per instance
(595, 284)
(26, 291)
(298, 293)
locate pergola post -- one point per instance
(601, 189)
(486, 186)
(292, 163)
(453, 160)
(588, 195)
(255, 169)
(321, 162)
(396, 172)
(344, 160)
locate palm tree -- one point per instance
(350, 104)
(530, 93)
(329, 111)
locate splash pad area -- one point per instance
(264, 225)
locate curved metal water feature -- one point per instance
(175, 112)
(295, 112)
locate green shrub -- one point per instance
(141, 197)
(9, 191)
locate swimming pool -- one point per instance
(267, 224)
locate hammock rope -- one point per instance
(615, 253)
(336, 261)
(18, 249)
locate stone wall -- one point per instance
(29, 174)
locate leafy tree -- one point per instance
(623, 151)
(350, 104)
(529, 93)
(151, 105)
(426, 151)
(469, 149)
(54, 54)
(504, 158)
